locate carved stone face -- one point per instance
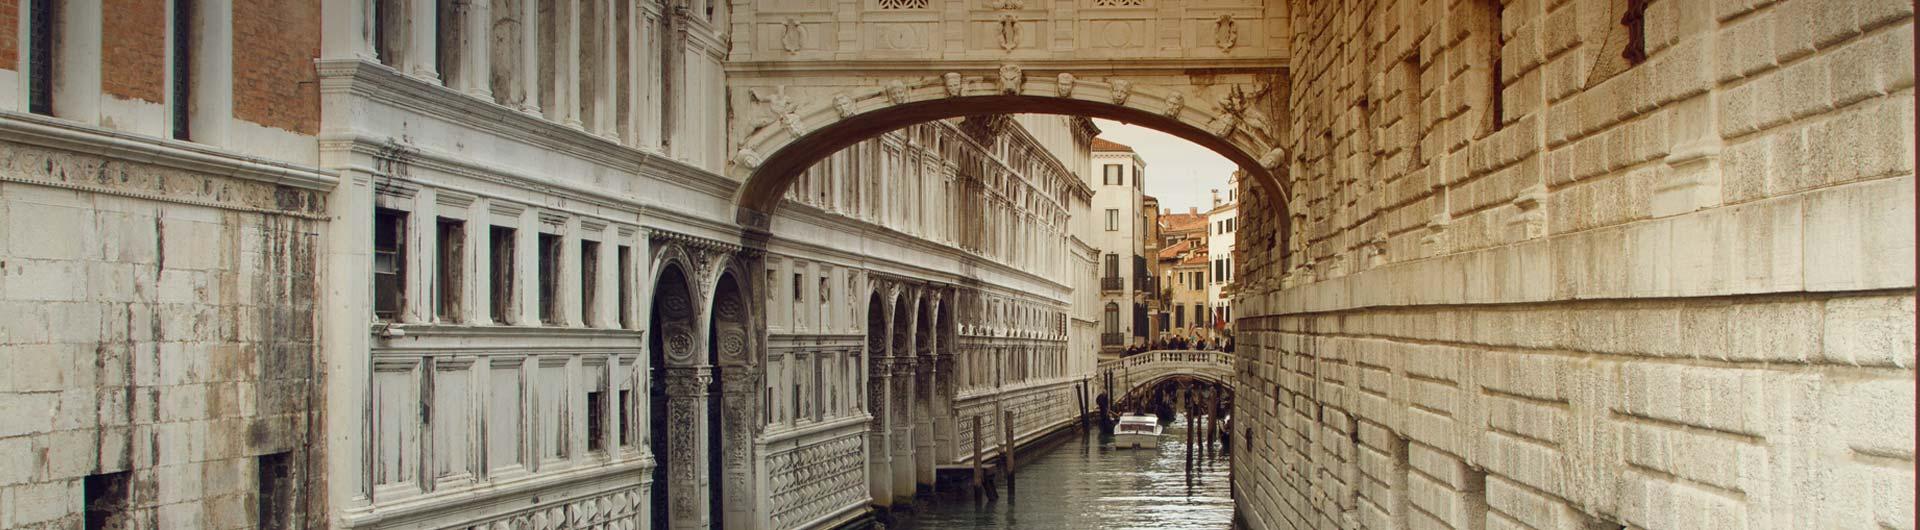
(954, 84)
(1122, 89)
(1011, 79)
(843, 104)
(1066, 85)
(897, 91)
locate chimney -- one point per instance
(1193, 210)
(1216, 197)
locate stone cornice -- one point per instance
(200, 158)
(377, 82)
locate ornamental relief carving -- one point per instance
(619, 509)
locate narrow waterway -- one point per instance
(1081, 483)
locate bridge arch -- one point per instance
(786, 137)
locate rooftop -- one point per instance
(1102, 144)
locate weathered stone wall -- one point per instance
(1667, 293)
(159, 324)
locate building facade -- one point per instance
(582, 263)
(1221, 224)
(358, 265)
(1116, 202)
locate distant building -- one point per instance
(1221, 224)
(1116, 207)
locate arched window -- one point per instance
(1113, 318)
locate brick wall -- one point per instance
(133, 62)
(9, 40)
(168, 338)
(1671, 294)
(274, 45)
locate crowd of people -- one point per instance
(1223, 344)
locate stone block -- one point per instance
(1869, 331)
(1860, 236)
(1745, 47)
(50, 232)
(43, 502)
(1861, 69)
(1775, 331)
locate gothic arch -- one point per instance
(792, 136)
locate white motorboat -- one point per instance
(1136, 432)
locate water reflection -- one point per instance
(1080, 484)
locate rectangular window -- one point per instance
(1113, 219)
(500, 285)
(273, 483)
(43, 27)
(596, 421)
(624, 260)
(389, 263)
(1179, 316)
(452, 239)
(182, 67)
(1113, 266)
(108, 496)
(589, 282)
(1115, 175)
(549, 279)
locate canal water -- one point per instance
(1080, 483)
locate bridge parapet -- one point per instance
(1132, 372)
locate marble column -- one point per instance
(925, 414)
(687, 446)
(879, 444)
(902, 464)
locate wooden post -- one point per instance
(976, 457)
(1007, 450)
(1213, 422)
(1190, 428)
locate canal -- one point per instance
(1079, 483)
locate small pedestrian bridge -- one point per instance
(1130, 378)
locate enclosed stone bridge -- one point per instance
(1127, 379)
(807, 78)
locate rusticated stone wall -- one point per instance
(1668, 285)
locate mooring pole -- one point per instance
(1213, 422)
(976, 458)
(1007, 450)
(1190, 431)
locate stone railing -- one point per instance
(1146, 367)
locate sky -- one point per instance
(1179, 172)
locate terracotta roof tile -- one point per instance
(1102, 144)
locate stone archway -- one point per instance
(770, 157)
(678, 381)
(732, 404)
